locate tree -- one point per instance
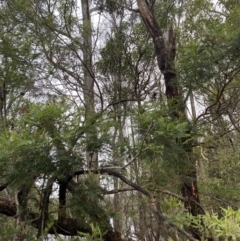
(105, 147)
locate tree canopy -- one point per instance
(119, 120)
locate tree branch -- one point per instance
(155, 207)
(4, 185)
(141, 148)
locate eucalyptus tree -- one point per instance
(107, 127)
(213, 72)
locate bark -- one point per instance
(3, 103)
(67, 227)
(165, 57)
(118, 140)
(62, 200)
(21, 198)
(44, 209)
(117, 224)
(88, 87)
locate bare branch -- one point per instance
(120, 190)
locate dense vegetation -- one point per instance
(119, 120)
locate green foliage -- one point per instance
(175, 210)
(88, 195)
(96, 235)
(224, 227)
(210, 49)
(163, 135)
(45, 132)
(110, 6)
(41, 48)
(227, 225)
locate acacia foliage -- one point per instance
(45, 182)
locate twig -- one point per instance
(141, 148)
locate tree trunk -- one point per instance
(165, 57)
(88, 85)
